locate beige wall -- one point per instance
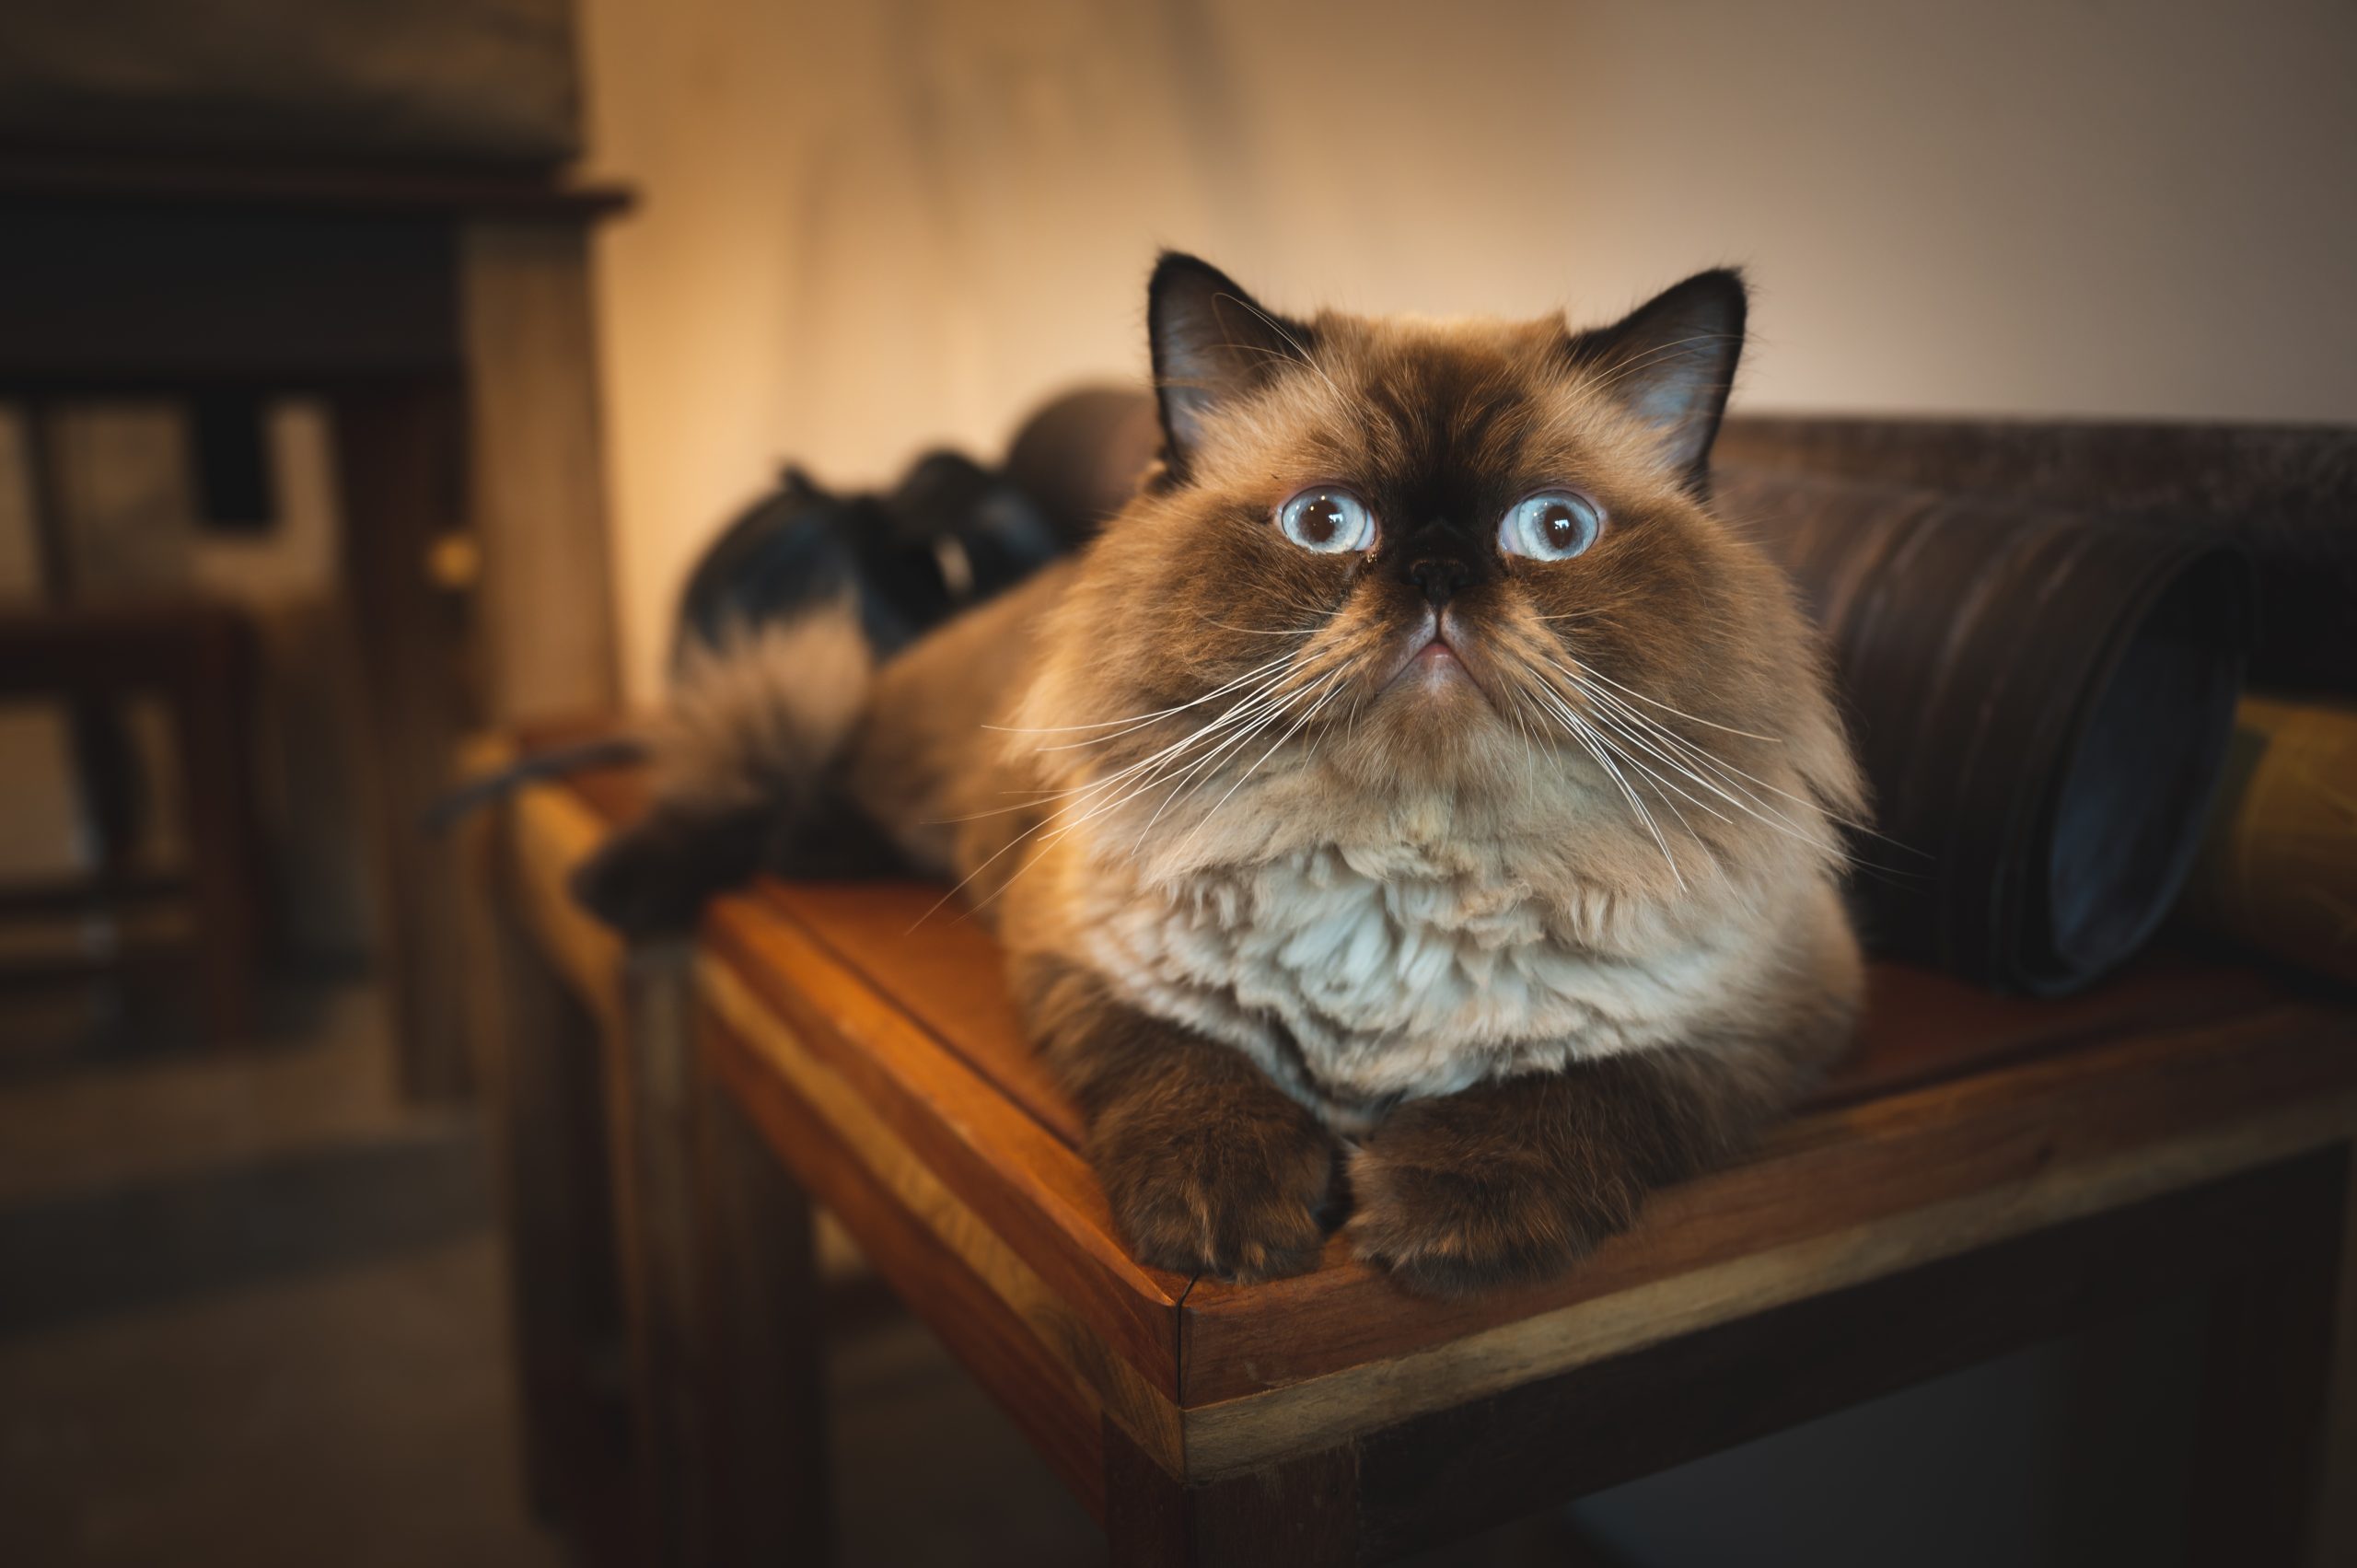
(867, 226)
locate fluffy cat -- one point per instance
(1415, 805)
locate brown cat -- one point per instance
(1415, 803)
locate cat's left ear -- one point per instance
(1672, 362)
(1212, 344)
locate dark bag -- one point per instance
(950, 534)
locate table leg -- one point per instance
(653, 1091)
(2258, 1468)
(397, 465)
(540, 1072)
(535, 485)
(210, 705)
(761, 1373)
(1302, 1513)
(2334, 1529)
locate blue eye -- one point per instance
(1553, 525)
(1328, 520)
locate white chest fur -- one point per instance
(1356, 978)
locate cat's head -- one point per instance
(1454, 576)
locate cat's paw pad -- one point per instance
(1242, 1198)
(1447, 1217)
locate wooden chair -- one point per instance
(197, 658)
(1985, 1173)
(445, 320)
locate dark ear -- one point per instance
(1672, 361)
(1210, 343)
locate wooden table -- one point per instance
(1986, 1173)
(446, 321)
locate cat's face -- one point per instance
(1466, 557)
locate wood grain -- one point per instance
(554, 828)
(197, 657)
(1241, 1434)
(1301, 1514)
(1099, 1379)
(757, 1394)
(945, 969)
(549, 1155)
(2108, 1117)
(655, 1128)
(640, 1047)
(398, 463)
(537, 497)
(988, 1337)
(1452, 1471)
(1025, 1183)
(872, 1041)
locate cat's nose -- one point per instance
(1439, 576)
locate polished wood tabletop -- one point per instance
(866, 1029)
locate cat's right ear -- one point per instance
(1211, 344)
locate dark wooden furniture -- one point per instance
(590, 1113)
(447, 321)
(198, 659)
(1985, 1173)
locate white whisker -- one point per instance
(1590, 741)
(1332, 691)
(1136, 719)
(1649, 738)
(1586, 671)
(1713, 760)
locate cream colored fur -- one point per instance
(752, 722)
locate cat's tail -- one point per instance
(757, 718)
(746, 757)
(452, 806)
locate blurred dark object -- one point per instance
(2288, 494)
(1081, 456)
(173, 277)
(2278, 870)
(198, 658)
(2041, 699)
(440, 82)
(951, 533)
(235, 491)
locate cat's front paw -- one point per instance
(1453, 1199)
(1245, 1194)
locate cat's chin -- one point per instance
(1434, 724)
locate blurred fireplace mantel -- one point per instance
(445, 316)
